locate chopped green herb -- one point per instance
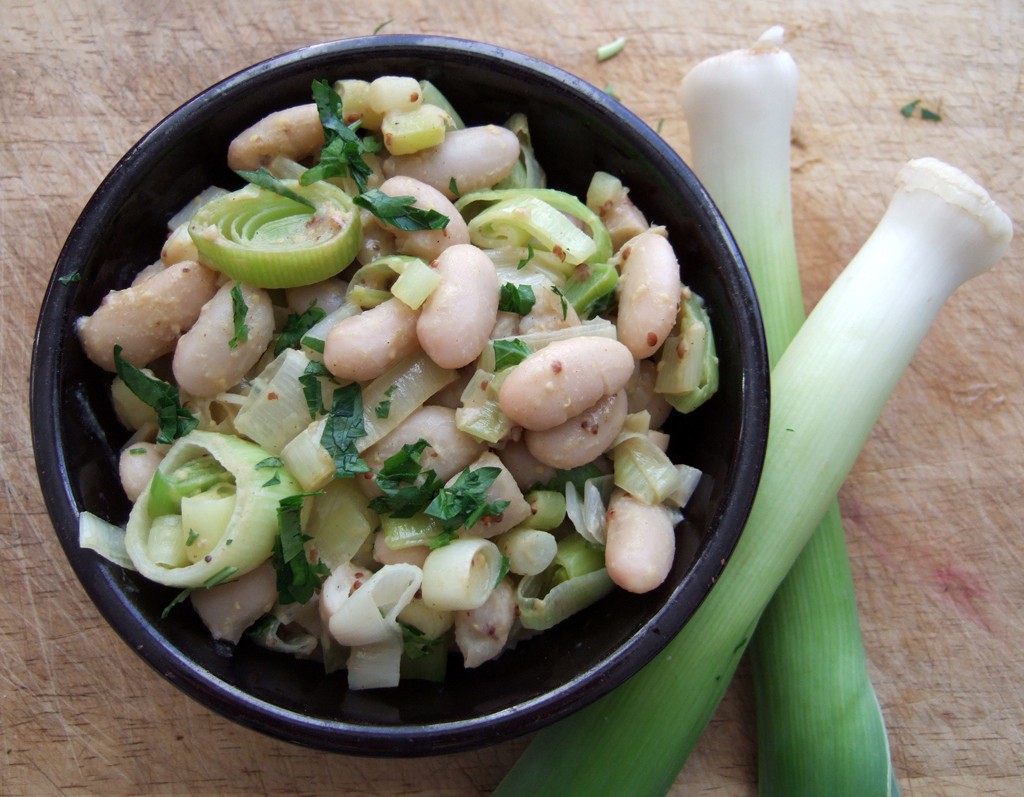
(269, 462)
(509, 352)
(192, 537)
(297, 577)
(399, 212)
(275, 479)
(516, 298)
(136, 451)
(343, 150)
(930, 116)
(443, 539)
(343, 427)
(383, 409)
(465, 502)
(416, 644)
(611, 49)
(173, 420)
(657, 127)
(239, 310)
(311, 387)
(315, 344)
(528, 258)
(296, 326)
(565, 303)
(506, 564)
(908, 109)
(67, 279)
(381, 26)
(219, 577)
(454, 188)
(407, 488)
(267, 181)
(609, 89)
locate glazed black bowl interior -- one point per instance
(576, 130)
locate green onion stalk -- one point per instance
(828, 389)
(820, 727)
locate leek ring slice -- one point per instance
(268, 240)
(252, 528)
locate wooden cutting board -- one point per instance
(933, 508)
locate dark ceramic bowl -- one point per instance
(576, 129)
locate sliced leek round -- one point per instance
(270, 240)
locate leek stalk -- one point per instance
(828, 389)
(820, 728)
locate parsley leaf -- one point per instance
(506, 565)
(296, 326)
(399, 212)
(383, 409)
(509, 352)
(344, 426)
(269, 462)
(219, 577)
(311, 387)
(343, 150)
(528, 258)
(454, 188)
(465, 502)
(399, 478)
(516, 298)
(267, 181)
(565, 303)
(174, 420)
(416, 644)
(297, 577)
(239, 310)
(442, 539)
(67, 279)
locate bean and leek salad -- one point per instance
(395, 401)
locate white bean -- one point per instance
(363, 346)
(136, 466)
(550, 311)
(449, 452)
(205, 362)
(426, 244)
(147, 319)
(640, 544)
(563, 379)
(295, 133)
(583, 438)
(650, 290)
(456, 320)
(481, 634)
(329, 295)
(179, 246)
(230, 608)
(642, 396)
(525, 468)
(474, 158)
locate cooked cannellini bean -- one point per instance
(456, 320)
(363, 346)
(136, 466)
(205, 363)
(650, 290)
(150, 271)
(473, 158)
(582, 438)
(147, 319)
(230, 608)
(525, 468)
(377, 241)
(563, 379)
(179, 246)
(131, 411)
(329, 295)
(640, 544)
(451, 394)
(622, 219)
(642, 396)
(504, 488)
(426, 244)
(450, 450)
(550, 311)
(294, 133)
(481, 634)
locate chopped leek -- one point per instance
(268, 240)
(688, 363)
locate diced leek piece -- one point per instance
(249, 538)
(420, 529)
(540, 609)
(268, 240)
(432, 96)
(415, 129)
(547, 508)
(104, 538)
(407, 278)
(527, 173)
(688, 363)
(588, 511)
(169, 487)
(168, 544)
(415, 283)
(529, 551)
(366, 298)
(205, 518)
(576, 557)
(389, 92)
(604, 188)
(479, 413)
(591, 288)
(340, 521)
(645, 471)
(273, 634)
(355, 104)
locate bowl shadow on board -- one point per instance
(576, 130)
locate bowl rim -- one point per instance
(335, 735)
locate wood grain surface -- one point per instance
(933, 508)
